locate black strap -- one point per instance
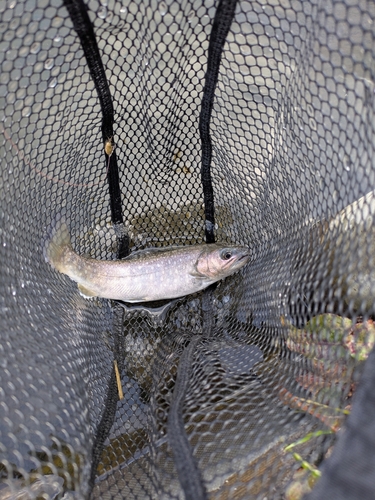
(222, 22)
(104, 428)
(85, 31)
(187, 469)
(110, 406)
(84, 28)
(188, 472)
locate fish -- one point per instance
(146, 275)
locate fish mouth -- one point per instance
(246, 256)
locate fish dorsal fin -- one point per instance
(85, 292)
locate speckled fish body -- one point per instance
(146, 275)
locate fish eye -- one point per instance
(226, 254)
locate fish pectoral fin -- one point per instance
(85, 292)
(197, 274)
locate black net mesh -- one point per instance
(108, 111)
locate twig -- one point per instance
(118, 379)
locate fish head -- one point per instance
(218, 261)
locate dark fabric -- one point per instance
(349, 472)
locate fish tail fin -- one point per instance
(55, 242)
